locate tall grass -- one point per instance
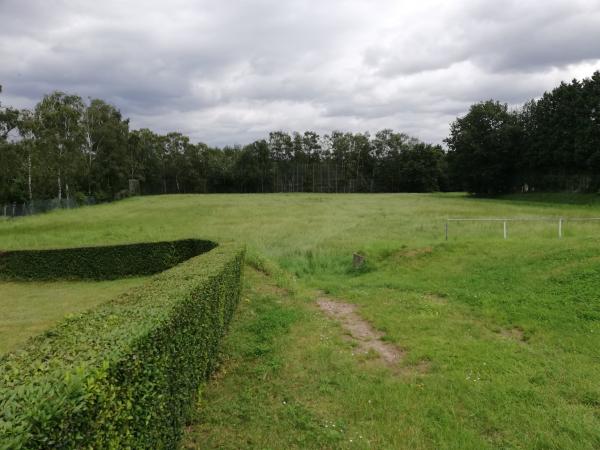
(509, 329)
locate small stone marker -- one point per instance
(357, 260)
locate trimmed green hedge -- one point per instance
(99, 263)
(124, 375)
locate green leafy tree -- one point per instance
(484, 147)
(254, 168)
(29, 148)
(105, 149)
(60, 134)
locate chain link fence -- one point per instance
(20, 209)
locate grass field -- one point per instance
(30, 308)
(500, 338)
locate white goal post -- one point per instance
(505, 221)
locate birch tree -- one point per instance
(26, 130)
(58, 127)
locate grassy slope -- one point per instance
(289, 377)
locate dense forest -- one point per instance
(70, 148)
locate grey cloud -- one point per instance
(228, 72)
(521, 36)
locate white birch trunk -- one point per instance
(59, 186)
(30, 191)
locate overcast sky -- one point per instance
(230, 71)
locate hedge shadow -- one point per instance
(99, 263)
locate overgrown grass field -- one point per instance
(500, 338)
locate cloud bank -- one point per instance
(227, 72)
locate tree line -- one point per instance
(68, 147)
(548, 144)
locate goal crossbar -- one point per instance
(505, 221)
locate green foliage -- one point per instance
(550, 144)
(9, 120)
(99, 263)
(125, 374)
(59, 137)
(562, 129)
(68, 148)
(483, 148)
(104, 157)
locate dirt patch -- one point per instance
(436, 299)
(273, 290)
(420, 368)
(515, 333)
(367, 338)
(414, 252)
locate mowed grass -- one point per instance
(30, 308)
(500, 337)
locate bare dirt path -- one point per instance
(366, 337)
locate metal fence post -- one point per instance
(560, 222)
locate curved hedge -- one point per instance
(123, 375)
(99, 263)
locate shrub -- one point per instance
(125, 374)
(99, 263)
